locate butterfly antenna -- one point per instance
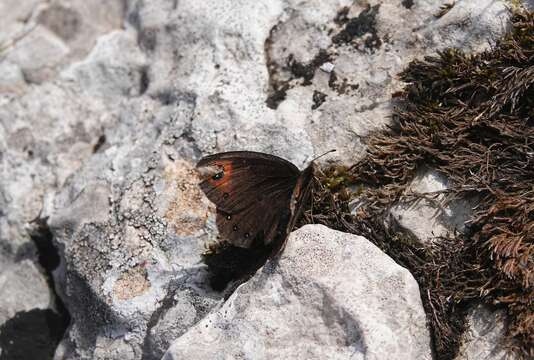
(328, 152)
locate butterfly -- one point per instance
(258, 197)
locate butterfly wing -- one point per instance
(256, 224)
(299, 199)
(252, 192)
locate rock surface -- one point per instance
(272, 63)
(41, 37)
(131, 226)
(22, 288)
(106, 105)
(434, 216)
(329, 295)
(483, 339)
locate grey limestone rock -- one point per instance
(483, 339)
(11, 79)
(42, 37)
(22, 288)
(330, 295)
(106, 105)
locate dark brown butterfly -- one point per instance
(258, 197)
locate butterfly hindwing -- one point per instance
(257, 224)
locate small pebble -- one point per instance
(327, 67)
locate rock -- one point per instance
(327, 67)
(106, 149)
(111, 72)
(329, 295)
(37, 53)
(131, 226)
(484, 337)
(22, 288)
(45, 135)
(368, 46)
(43, 37)
(80, 23)
(12, 11)
(245, 68)
(183, 310)
(466, 23)
(432, 217)
(11, 79)
(32, 318)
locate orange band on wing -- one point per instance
(219, 180)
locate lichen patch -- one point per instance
(187, 209)
(131, 283)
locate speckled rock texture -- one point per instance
(42, 37)
(22, 288)
(131, 227)
(330, 295)
(258, 86)
(105, 106)
(484, 338)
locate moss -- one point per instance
(470, 117)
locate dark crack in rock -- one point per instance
(35, 334)
(318, 99)
(307, 71)
(341, 87)
(407, 3)
(31, 335)
(100, 142)
(43, 239)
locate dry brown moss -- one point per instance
(470, 117)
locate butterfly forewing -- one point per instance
(241, 178)
(252, 192)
